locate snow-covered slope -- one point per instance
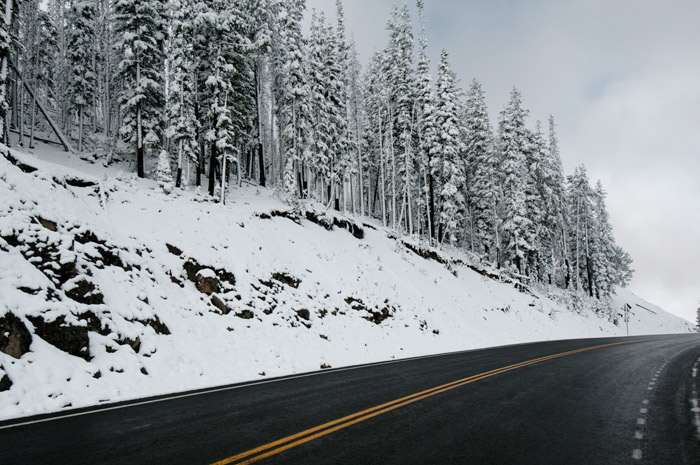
(110, 289)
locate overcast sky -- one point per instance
(622, 79)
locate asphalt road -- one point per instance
(597, 401)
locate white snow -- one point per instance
(434, 308)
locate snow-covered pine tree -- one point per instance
(181, 96)
(445, 155)
(329, 158)
(140, 26)
(337, 66)
(400, 77)
(292, 93)
(81, 57)
(427, 134)
(580, 207)
(164, 174)
(556, 215)
(484, 186)
(356, 112)
(375, 103)
(603, 246)
(538, 235)
(513, 146)
(9, 14)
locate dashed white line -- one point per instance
(638, 435)
(641, 421)
(637, 454)
(643, 410)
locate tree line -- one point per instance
(218, 91)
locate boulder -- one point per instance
(15, 338)
(71, 339)
(207, 281)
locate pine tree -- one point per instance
(556, 216)
(81, 56)
(445, 155)
(292, 94)
(6, 41)
(484, 185)
(181, 96)
(164, 174)
(140, 25)
(580, 206)
(398, 68)
(513, 146)
(427, 133)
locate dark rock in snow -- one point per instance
(85, 292)
(286, 279)
(245, 314)
(218, 303)
(15, 338)
(303, 313)
(158, 326)
(94, 323)
(48, 224)
(173, 250)
(5, 381)
(207, 282)
(135, 344)
(71, 339)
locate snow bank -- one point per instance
(112, 290)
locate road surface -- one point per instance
(585, 401)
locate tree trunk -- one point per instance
(261, 164)
(80, 128)
(212, 169)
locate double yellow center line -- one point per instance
(289, 442)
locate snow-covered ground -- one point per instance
(112, 290)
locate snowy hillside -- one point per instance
(111, 290)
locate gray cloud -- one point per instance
(622, 78)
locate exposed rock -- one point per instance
(48, 224)
(218, 303)
(85, 292)
(94, 323)
(29, 290)
(77, 182)
(303, 313)
(191, 268)
(88, 236)
(378, 316)
(5, 381)
(322, 221)
(325, 366)
(23, 166)
(353, 228)
(135, 344)
(158, 326)
(425, 253)
(173, 250)
(286, 279)
(245, 314)
(71, 339)
(15, 338)
(207, 282)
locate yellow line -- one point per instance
(341, 423)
